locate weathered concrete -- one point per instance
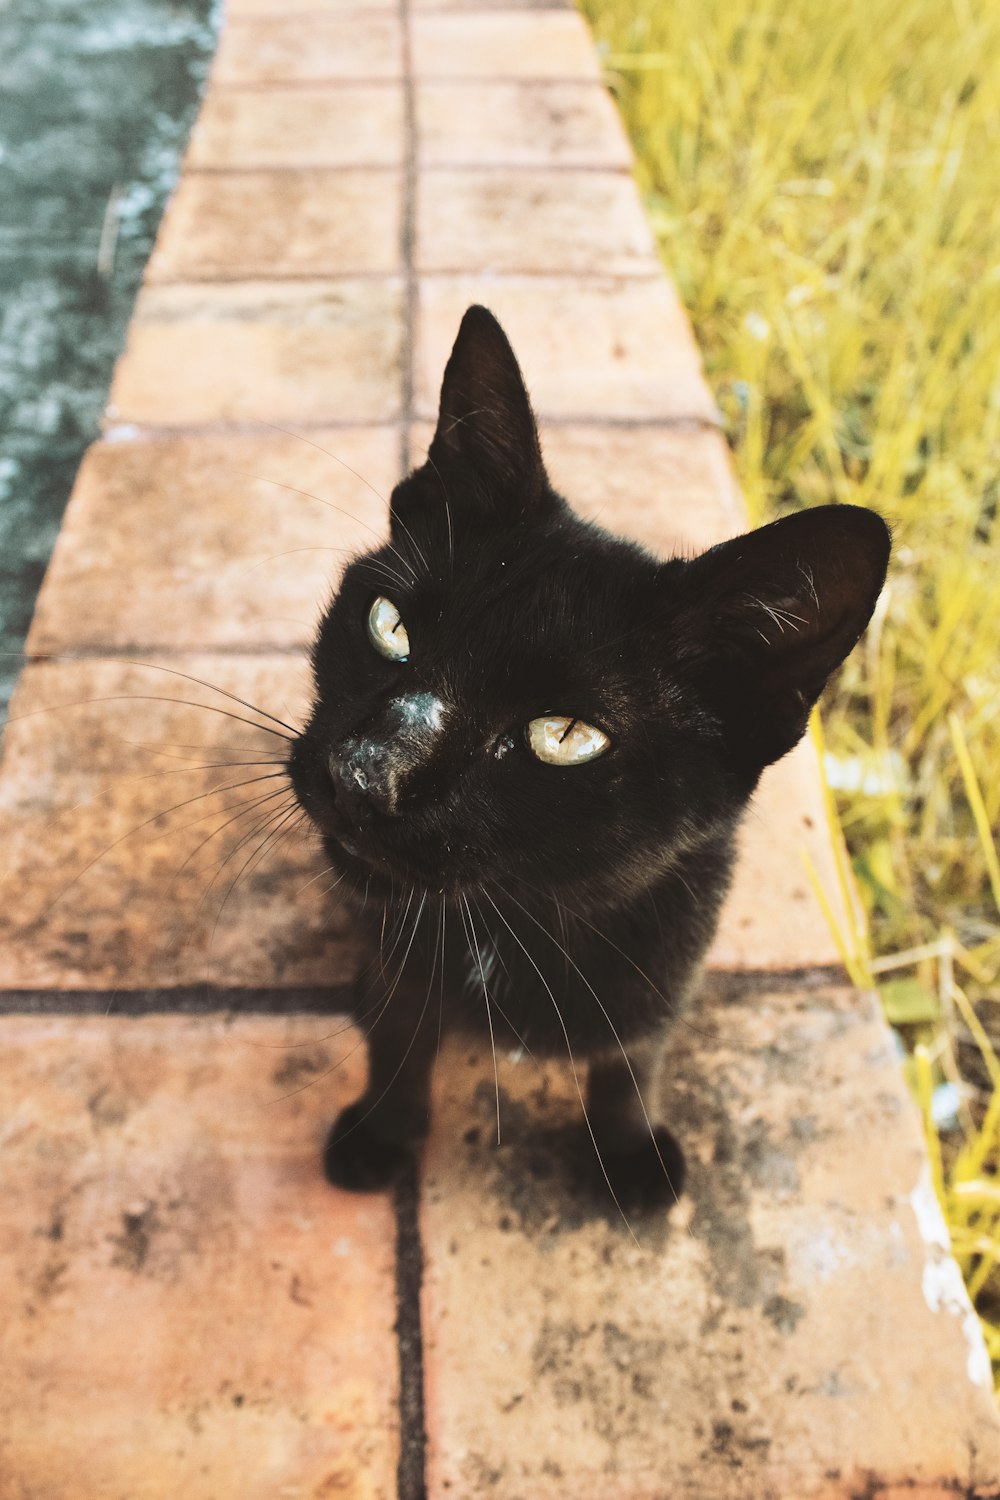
(779, 1334)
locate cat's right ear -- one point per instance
(767, 617)
(485, 421)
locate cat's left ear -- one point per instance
(770, 615)
(485, 421)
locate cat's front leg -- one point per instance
(639, 1157)
(374, 1140)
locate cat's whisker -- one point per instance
(496, 1003)
(447, 510)
(474, 951)
(301, 438)
(403, 962)
(416, 1032)
(160, 747)
(211, 708)
(329, 870)
(116, 786)
(241, 811)
(245, 807)
(676, 1016)
(385, 960)
(382, 1006)
(171, 752)
(380, 536)
(614, 1032)
(155, 666)
(377, 567)
(162, 813)
(291, 552)
(572, 1061)
(264, 822)
(270, 841)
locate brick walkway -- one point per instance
(187, 1309)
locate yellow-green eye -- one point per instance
(387, 631)
(561, 741)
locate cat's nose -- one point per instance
(364, 782)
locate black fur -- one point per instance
(575, 902)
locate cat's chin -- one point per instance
(358, 864)
(369, 874)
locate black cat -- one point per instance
(531, 745)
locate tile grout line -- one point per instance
(497, 164)
(411, 1476)
(652, 271)
(411, 1472)
(230, 87)
(120, 434)
(729, 985)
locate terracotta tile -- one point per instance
(223, 536)
(360, 126)
(107, 883)
(503, 44)
(310, 351)
(281, 223)
(524, 220)
(590, 348)
(780, 1328)
(535, 124)
(280, 49)
(670, 488)
(773, 918)
(188, 1309)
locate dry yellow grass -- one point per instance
(823, 180)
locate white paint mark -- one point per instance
(422, 710)
(943, 1287)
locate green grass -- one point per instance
(823, 182)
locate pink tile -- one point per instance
(135, 857)
(528, 123)
(525, 220)
(233, 541)
(188, 1308)
(360, 126)
(309, 351)
(503, 44)
(239, 225)
(291, 49)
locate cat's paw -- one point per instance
(359, 1160)
(647, 1177)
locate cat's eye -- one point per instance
(562, 741)
(387, 631)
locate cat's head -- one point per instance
(509, 696)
